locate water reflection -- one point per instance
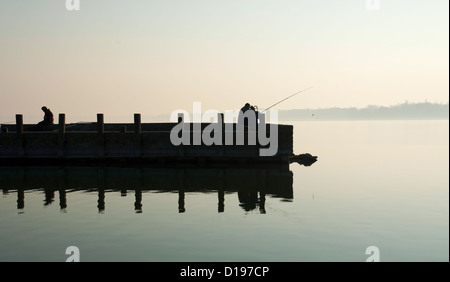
(251, 184)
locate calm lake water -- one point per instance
(376, 183)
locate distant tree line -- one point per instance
(402, 111)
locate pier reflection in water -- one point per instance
(251, 184)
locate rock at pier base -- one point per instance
(303, 159)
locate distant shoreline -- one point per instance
(406, 111)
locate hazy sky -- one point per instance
(155, 56)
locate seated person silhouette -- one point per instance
(48, 120)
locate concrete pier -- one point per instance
(140, 143)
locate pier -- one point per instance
(100, 143)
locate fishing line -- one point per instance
(287, 98)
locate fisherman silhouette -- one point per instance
(48, 119)
(244, 109)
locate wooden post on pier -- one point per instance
(138, 131)
(19, 129)
(101, 135)
(181, 146)
(220, 119)
(61, 134)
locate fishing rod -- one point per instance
(287, 98)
